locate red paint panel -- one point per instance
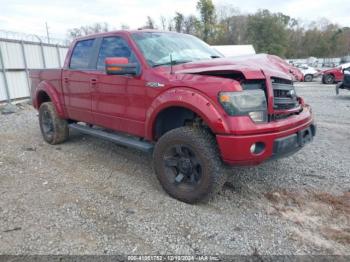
(235, 150)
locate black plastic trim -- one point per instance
(113, 137)
(288, 145)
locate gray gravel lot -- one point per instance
(88, 196)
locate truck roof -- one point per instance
(123, 32)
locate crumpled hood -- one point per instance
(252, 67)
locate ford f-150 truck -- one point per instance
(172, 95)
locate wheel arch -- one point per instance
(47, 93)
(332, 75)
(42, 97)
(186, 101)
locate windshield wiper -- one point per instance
(174, 62)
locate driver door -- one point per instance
(118, 100)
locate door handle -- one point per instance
(93, 82)
(65, 80)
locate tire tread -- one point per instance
(61, 130)
(205, 143)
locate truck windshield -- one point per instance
(157, 47)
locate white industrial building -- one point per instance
(235, 50)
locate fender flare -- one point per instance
(189, 99)
(51, 91)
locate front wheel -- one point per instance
(328, 79)
(187, 164)
(308, 78)
(53, 128)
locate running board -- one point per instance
(113, 137)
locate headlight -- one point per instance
(247, 102)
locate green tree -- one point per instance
(342, 45)
(295, 48)
(179, 20)
(273, 33)
(192, 25)
(150, 24)
(267, 32)
(231, 28)
(206, 9)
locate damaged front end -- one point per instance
(280, 94)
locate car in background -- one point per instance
(334, 75)
(309, 72)
(345, 84)
(296, 74)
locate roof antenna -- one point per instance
(171, 63)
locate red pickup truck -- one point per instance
(173, 95)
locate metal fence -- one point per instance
(17, 57)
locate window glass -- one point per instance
(81, 54)
(114, 47)
(158, 46)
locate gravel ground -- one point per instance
(88, 196)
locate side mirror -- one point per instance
(120, 66)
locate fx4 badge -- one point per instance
(154, 84)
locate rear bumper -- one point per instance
(236, 149)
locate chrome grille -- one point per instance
(280, 93)
(285, 96)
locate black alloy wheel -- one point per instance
(182, 166)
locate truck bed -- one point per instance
(52, 77)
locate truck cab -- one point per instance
(172, 95)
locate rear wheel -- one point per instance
(328, 79)
(53, 128)
(188, 165)
(308, 78)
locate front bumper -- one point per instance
(236, 149)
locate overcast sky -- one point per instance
(30, 16)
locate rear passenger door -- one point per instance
(78, 82)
